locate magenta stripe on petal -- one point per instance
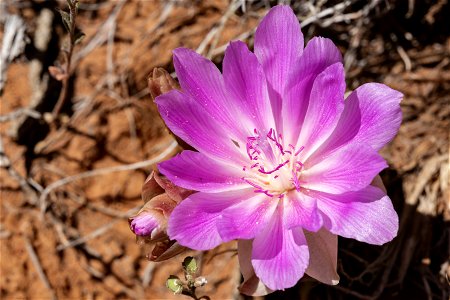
(371, 116)
(300, 210)
(246, 84)
(325, 106)
(193, 223)
(278, 45)
(196, 171)
(352, 215)
(246, 219)
(380, 111)
(204, 83)
(280, 256)
(187, 119)
(319, 54)
(351, 168)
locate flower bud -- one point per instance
(174, 284)
(160, 82)
(200, 281)
(143, 224)
(190, 265)
(160, 196)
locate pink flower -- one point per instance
(284, 164)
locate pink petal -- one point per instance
(381, 115)
(350, 168)
(319, 54)
(322, 256)
(280, 256)
(252, 285)
(366, 215)
(193, 221)
(187, 119)
(278, 45)
(246, 84)
(196, 171)
(247, 218)
(301, 211)
(325, 106)
(371, 116)
(203, 82)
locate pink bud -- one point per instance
(160, 196)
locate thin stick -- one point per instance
(38, 266)
(24, 183)
(65, 82)
(311, 19)
(97, 172)
(88, 237)
(96, 232)
(148, 273)
(18, 113)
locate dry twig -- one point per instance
(37, 264)
(97, 172)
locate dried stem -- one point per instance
(37, 264)
(73, 10)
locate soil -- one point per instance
(74, 241)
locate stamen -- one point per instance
(259, 189)
(261, 169)
(274, 139)
(299, 150)
(268, 152)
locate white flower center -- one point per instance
(273, 169)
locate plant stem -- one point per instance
(65, 82)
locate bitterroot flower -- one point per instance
(284, 164)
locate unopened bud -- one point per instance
(200, 281)
(161, 197)
(190, 265)
(143, 224)
(161, 82)
(174, 284)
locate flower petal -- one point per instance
(301, 211)
(193, 221)
(203, 82)
(252, 285)
(280, 256)
(371, 116)
(351, 168)
(187, 119)
(366, 215)
(322, 256)
(246, 84)
(196, 171)
(278, 45)
(325, 106)
(245, 219)
(381, 115)
(319, 54)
